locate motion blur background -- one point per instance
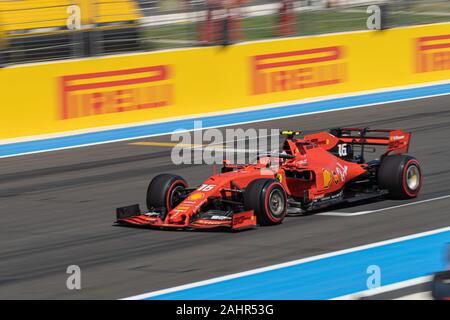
(39, 30)
(57, 208)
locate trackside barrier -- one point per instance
(90, 93)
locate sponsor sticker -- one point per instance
(295, 70)
(326, 178)
(196, 196)
(433, 53)
(342, 171)
(220, 218)
(90, 94)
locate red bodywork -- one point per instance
(323, 174)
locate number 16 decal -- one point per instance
(342, 150)
(206, 187)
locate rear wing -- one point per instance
(397, 141)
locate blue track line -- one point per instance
(330, 277)
(220, 120)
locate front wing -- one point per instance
(133, 216)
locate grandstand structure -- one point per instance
(40, 30)
(36, 30)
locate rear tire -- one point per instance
(163, 193)
(401, 176)
(267, 198)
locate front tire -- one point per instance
(401, 175)
(163, 193)
(267, 198)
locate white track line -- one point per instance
(384, 289)
(284, 265)
(417, 296)
(360, 213)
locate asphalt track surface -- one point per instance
(57, 209)
(417, 292)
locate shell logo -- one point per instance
(196, 196)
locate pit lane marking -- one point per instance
(166, 144)
(360, 213)
(183, 145)
(193, 146)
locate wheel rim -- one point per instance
(175, 196)
(413, 177)
(276, 203)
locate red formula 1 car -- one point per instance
(320, 170)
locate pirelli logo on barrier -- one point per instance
(433, 53)
(295, 70)
(115, 91)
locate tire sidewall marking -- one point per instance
(266, 202)
(172, 186)
(411, 193)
